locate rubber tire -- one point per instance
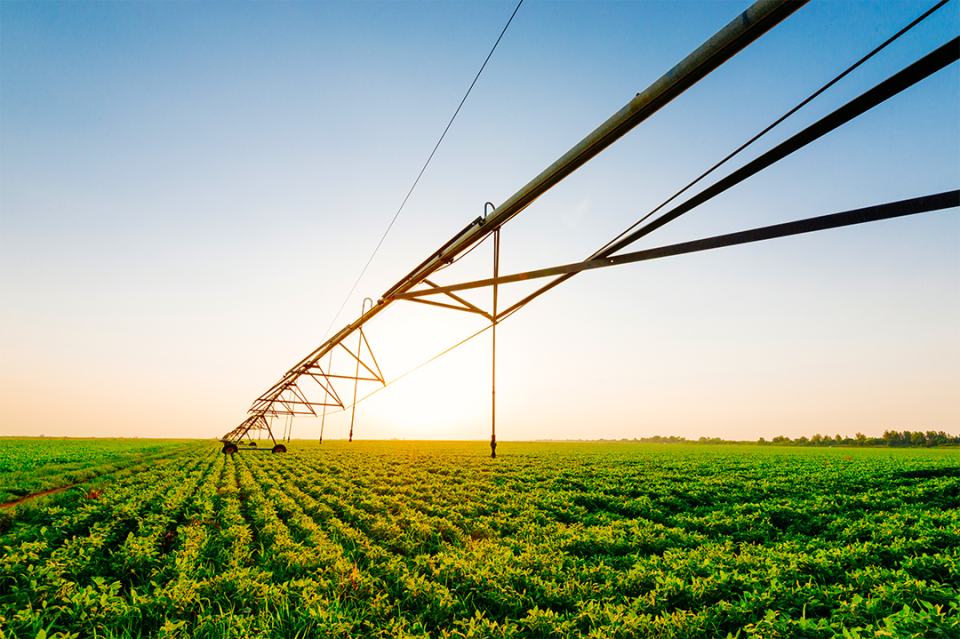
(253, 444)
(229, 449)
(279, 448)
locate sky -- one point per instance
(188, 192)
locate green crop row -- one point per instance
(397, 539)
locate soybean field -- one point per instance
(434, 539)
(31, 466)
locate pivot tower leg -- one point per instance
(493, 366)
(325, 397)
(356, 376)
(353, 410)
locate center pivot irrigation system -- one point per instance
(289, 397)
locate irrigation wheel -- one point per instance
(279, 448)
(229, 449)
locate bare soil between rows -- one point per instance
(52, 491)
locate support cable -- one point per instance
(419, 366)
(464, 254)
(420, 175)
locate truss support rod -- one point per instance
(324, 418)
(448, 306)
(460, 300)
(925, 204)
(356, 381)
(269, 430)
(493, 367)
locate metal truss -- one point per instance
(288, 397)
(232, 441)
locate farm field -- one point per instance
(397, 539)
(33, 465)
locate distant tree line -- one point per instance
(892, 438)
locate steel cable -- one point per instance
(420, 175)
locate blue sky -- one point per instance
(188, 191)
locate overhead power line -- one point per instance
(419, 175)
